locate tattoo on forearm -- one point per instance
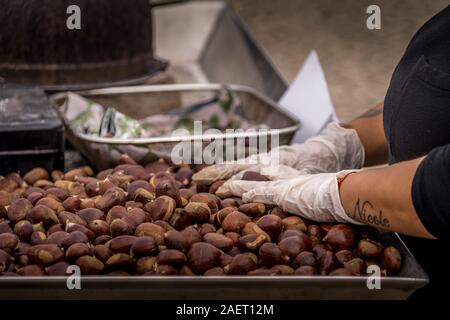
(364, 211)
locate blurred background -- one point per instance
(358, 62)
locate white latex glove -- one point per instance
(315, 197)
(333, 150)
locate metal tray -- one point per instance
(411, 278)
(143, 101)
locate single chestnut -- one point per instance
(235, 221)
(251, 242)
(278, 212)
(209, 199)
(56, 193)
(19, 209)
(305, 271)
(271, 224)
(143, 246)
(58, 269)
(90, 265)
(192, 235)
(369, 249)
(31, 270)
(176, 240)
(71, 227)
(270, 255)
(198, 211)
(327, 262)
(51, 203)
(44, 214)
(171, 257)
(122, 244)
(91, 214)
(71, 203)
(203, 256)
(215, 186)
(253, 209)
(391, 260)
(344, 256)
(356, 266)
(283, 270)
(5, 260)
(294, 222)
(216, 271)
(119, 261)
(207, 228)
(45, 254)
(112, 197)
(180, 219)
(161, 208)
(116, 212)
(102, 252)
(74, 237)
(99, 227)
(145, 264)
(315, 234)
(292, 246)
(77, 250)
(165, 270)
(23, 229)
(240, 264)
(152, 230)
(57, 238)
(185, 271)
(65, 217)
(38, 237)
(8, 242)
(252, 228)
(55, 228)
(102, 239)
(219, 241)
(119, 227)
(341, 237)
(305, 258)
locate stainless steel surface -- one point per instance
(142, 101)
(207, 41)
(410, 278)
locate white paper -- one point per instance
(309, 99)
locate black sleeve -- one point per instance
(431, 192)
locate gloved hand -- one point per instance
(313, 196)
(334, 149)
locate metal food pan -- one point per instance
(411, 278)
(143, 101)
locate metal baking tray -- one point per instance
(411, 278)
(143, 101)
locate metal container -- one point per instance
(143, 101)
(411, 278)
(113, 45)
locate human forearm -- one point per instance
(369, 127)
(382, 198)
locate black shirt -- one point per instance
(417, 122)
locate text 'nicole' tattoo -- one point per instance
(365, 212)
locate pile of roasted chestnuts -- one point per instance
(153, 220)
